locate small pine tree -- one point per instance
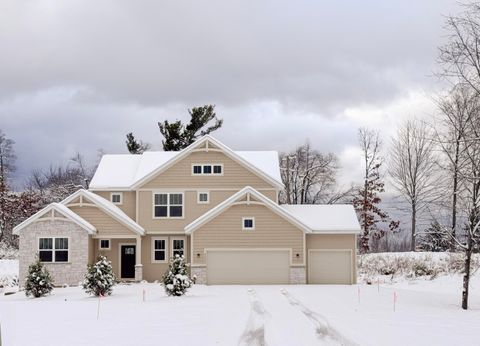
(435, 239)
(176, 280)
(38, 282)
(99, 278)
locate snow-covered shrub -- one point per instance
(176, 280)
(7, 251)
(38, 282)
(422, 268)
(99, 278)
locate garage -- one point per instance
(330, 267)
(244, 267)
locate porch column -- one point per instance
(138, 260)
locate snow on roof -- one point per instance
(62, 210)
(122, 171)
(108, 207)
(326, 218)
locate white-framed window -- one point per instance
(178, 246)
(207, 169)
(53, 249)
(203, 197)
(168, 205)
(116, 197)
(159, 250)
(104, 244)
(248, 223)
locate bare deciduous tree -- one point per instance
(412, 167)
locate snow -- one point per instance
(427, 313)
(325, 218)
(8, 272)
(123, 171)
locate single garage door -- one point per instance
(228, 267)
(329, 266)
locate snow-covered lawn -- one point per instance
(427, 312)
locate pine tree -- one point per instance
(99, 278)
(134, 146)
(176, 280)
(38, 282)
(179, 136)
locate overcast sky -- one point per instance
(79, 75)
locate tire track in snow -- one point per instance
(323, 329)
(254, 333)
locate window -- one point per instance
(53, 249)
(203, 198)
(178, 246)
(159, 250)
(104, 244)
(116, 197)
(248, 223)
(168, 205)
(207, 169)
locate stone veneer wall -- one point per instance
(70, 273)
(200, 273)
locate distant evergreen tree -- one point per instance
(38, 282)
(134, 146)
(99, 278)
(176, 280)
(435, 238)
(179, 136)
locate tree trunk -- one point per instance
(466, 276)
(414, 224)
(287, 187)
(455, 193)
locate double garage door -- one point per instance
(269, 267)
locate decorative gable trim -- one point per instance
(52, 211)
(204, 144)
(248, 195)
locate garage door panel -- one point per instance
(330, 267)
(248, 267)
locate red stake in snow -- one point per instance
(394, 300)
(144, 295)
(98, 307)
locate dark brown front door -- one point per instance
(128, 261)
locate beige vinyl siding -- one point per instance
(155, 271)
(180, 174)
(128, 205)
(334, 242)
(225, 231)
(192, 209)
(105, 224)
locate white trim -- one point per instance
(152, 252)
(116, 193)
(226, 150)
(53, 248)
(194, 225)
(168, 193)
(63, 210)
(208, 197)
(212, 165)
(108, 207)
(352, 264)
(104, 248)
(184, 244)
(248, 228)
(120, 260)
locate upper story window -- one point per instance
(53, 249)
(116, 197)
(207, 169)
(248, 223)
(168, 205)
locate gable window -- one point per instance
(168, 205)
(217, 169)
(116, 197)
(197, 169)
(178, 246)
(207, 169)
(104, 244)
(248, 223)
(159, 250)
(53, 249)
(203, 198)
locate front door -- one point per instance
(127, 261)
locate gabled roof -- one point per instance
(108, 207)
(61, 209)
(326, 218)
(250, 192)
(126, 172)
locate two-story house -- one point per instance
(217, 207)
